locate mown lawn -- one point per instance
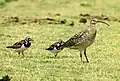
(39, 64)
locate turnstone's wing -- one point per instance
(17, 44)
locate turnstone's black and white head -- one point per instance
(56, 47)
(22, 45)
(5, 78)
(27, 42)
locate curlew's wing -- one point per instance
(76, 39)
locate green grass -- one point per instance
(40, 65)
(2, 4)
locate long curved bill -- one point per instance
(103, 22)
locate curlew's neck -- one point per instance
(92, 28)
(92, 25)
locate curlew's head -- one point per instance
(95, 21)
(83, 20)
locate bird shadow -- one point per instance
(67, 57)
(60, 57)
(52, 57)
(84, 62)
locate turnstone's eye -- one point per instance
(58, 44)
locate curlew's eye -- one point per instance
(94, 20)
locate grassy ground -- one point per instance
(40, 65)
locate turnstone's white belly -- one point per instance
(22, 48)
(55, 50)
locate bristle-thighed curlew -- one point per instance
(84, 39)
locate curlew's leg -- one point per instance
(22, 53)
(81, 55)
(19, 53)
(86, 55)
(55, 54)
